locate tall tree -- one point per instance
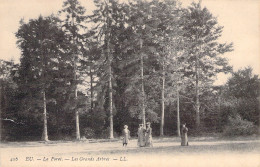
(167, 34)
(75, 16)
(39, 42)
(202, 32)
(107, 19)
(141, 32)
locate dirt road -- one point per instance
(166, 152)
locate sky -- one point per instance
(240, 18)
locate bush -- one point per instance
(238, 127)
(89, 133)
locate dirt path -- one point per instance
(164, 153)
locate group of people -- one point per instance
(145, 135)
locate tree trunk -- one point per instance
(178, 100)
(197, 104)
(91, 90)
(76, 98)
(162, 114)
(109, 58)
(77, 125)
(76, 89)
(45, 131)
(178, 112)
(142, 83)
(77, 116)
(111, 104)
(110, 91)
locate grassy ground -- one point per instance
(203, 151)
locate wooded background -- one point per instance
(128, 63)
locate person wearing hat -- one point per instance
(141, 136)
(126, 136)
(184, 135)
(148, 135)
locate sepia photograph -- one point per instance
(134, 83)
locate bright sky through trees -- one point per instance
(239, 18)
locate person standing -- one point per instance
(126, 136)
(184, 135)
(148, 135)
(141, 136)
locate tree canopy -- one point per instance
(125, 64)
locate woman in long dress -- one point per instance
(148, 136)
(126, 136)
(141, 136)
(184, 135)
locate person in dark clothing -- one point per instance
(184, 135)
(148, 136)
(126, 136)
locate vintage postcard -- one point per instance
(135, 83)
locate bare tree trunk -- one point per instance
(142, 82)
(197, 104)
(111, 104)
(76, 89)
(143, 95)
(91, 90)
(109, 58)
(110, 90)
(178, 100)
(76, 98)
(178, 112)
(163, 89)
(77, 116)
(45, 131)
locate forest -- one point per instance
(87, 75)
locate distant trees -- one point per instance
(236, 107)
(242, 91)
(7, 86)
(142, 61)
